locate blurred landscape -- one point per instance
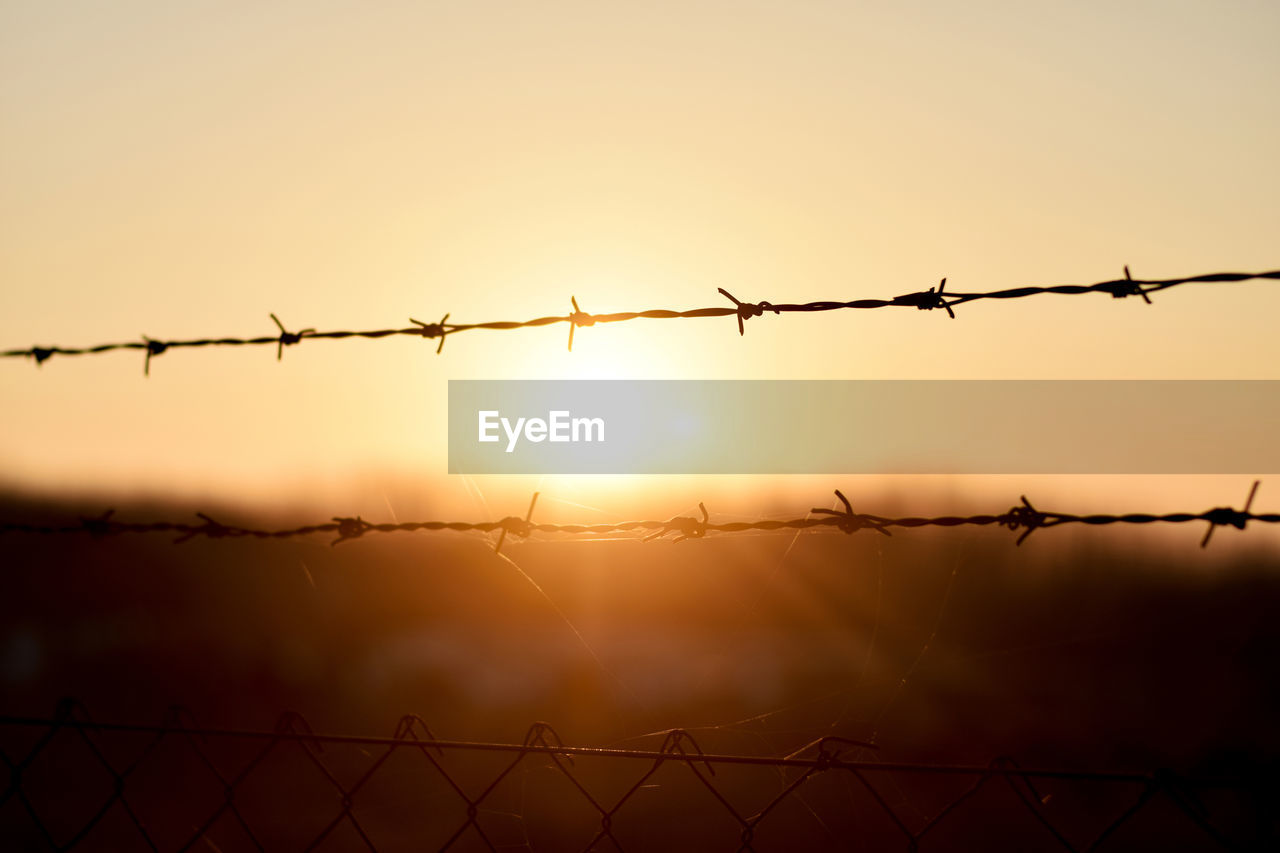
(953, 646)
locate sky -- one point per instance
(185, 169)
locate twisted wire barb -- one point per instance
(1024, 518)
(925, 300)
(678, 748)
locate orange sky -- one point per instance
(181, 170)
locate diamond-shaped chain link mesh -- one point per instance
(832, 794)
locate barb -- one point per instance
(1024, 518)
(578, 318)
(350, 528)
(182, 747)
(925, 300)
(153, 348)
(520, 527)
(433, 330)
(1226, 516)
(849, 521)
(287, 338)
(686, 526)
(210, 528)
(747, 310)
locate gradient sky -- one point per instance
(182, 169)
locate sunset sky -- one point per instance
(184, 169)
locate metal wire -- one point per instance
(925, 300)
(1024, 517)
(205, 752)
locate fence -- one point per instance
(1024, 517)
(76, 783)
(179, 786)
(925, 300)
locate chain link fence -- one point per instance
(77, 784)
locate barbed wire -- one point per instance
(1024, 517)
(205, 753)
(926, 300)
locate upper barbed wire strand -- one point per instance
(925, 300)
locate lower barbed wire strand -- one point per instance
(1023, 519)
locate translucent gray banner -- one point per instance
(864, 427)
